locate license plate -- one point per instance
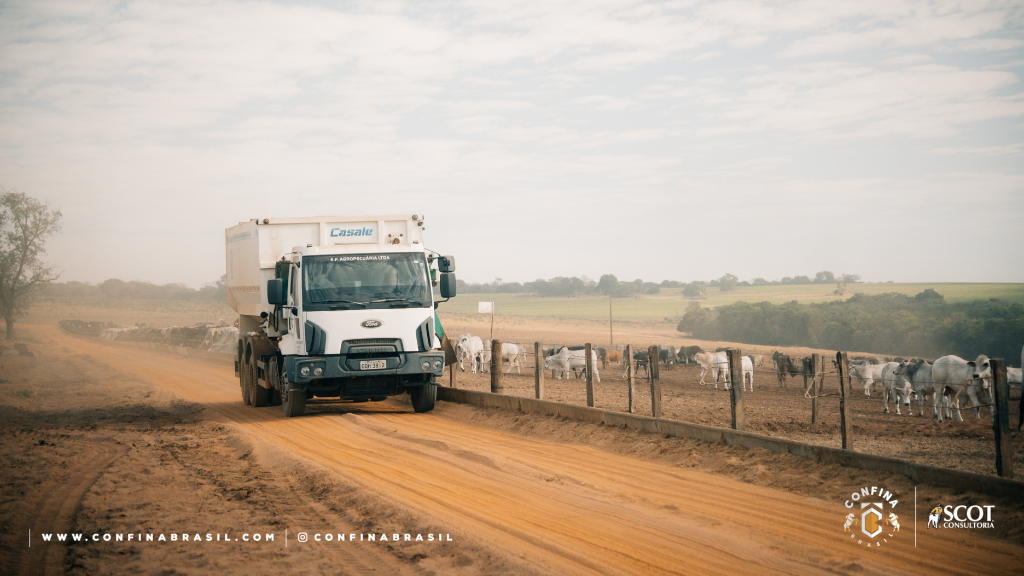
(372, 364)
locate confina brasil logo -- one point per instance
(339, 232)
(871, 519)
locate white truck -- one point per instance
(338, 307)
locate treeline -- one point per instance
(922, 325)
(115, 289)
(569, 287)
(609, 284)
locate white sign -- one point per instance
(486, 308)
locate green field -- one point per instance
(670, 303)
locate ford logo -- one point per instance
(371, 323)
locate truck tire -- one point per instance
(423, 397)
(274, 377)
(293, 402)
(260, 395)
(244, 377)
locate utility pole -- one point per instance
(611, 330)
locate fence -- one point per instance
(636, 384)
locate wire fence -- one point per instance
(779, 400)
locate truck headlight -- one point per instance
(425, 365)
(304, 371)
(438, 364)
(318, 371)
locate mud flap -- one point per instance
(449, 351)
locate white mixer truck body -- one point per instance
(336, 306)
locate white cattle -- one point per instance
(566, 360)
(861, 374)
(757, 359)
(485, 357)
(896, 385)
(513, 354)
(963, 376)
(717, 362)
(920, 374)
(748, 371)
(468, 347)
(876, 374)
(1013, 376)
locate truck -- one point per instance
(337, 307)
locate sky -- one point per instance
(658, 140)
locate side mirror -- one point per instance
(276, 295)
(447, 285)
(446, 264)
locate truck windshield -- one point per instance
(358, 281)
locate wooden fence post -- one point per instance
(652, 368)
(735, 357)
(538, 375)
(630, 380)
(816, 373)
(845, 424)
(1001, 419)
(588, 351)
(496, 387)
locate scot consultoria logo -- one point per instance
(962, 516)
(871, 518)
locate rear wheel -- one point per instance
(244, 382)
(423, 397)
(274, 377)
(293, 402)
(260, 395)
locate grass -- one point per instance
(24, 393)
(670, 303)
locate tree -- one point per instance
(824, 277)
(608, 284)
(727, 282)
(25, 224)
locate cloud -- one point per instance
(162, 123)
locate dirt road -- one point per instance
(554, 507)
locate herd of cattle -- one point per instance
(946, 380)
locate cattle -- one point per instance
(602, 355)
(896, 385)
(566, 360)
(962, 375)
(920, 374)
(641, 359)
(793, 366)
(717, 362)
(862, 375)
(757, 359)
(686, 354)
(748, 371)
(667, 355)
(468, 347)
(1013, 376)
(485, 358)
(614, 356)
(513, 354)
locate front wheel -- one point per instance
(293, 402)
(423, 397)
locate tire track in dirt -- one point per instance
(52, 507)
(602, 513)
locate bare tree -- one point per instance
(25, 224)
